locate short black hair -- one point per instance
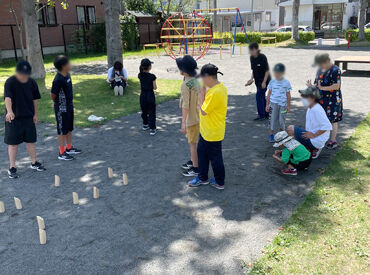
(118, 66)
(254, 46)
(60, 61)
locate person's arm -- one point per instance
(185, 106)
(185, 113)
(335, 86)
(264, 83)
(251, 80)
(310, 135)
(285, 156)
(202, 97)
(9, 110)
(36, 107)
(125, 76)
(55, 89)
(154, 85)
(268, 100)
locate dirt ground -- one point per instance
(156, 224)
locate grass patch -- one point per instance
(330, 231)
(92, 95)
(357, 44)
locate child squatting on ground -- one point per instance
(148, 85)
(212, 128)
(294, 154)
(117, 78)
(278, 100)
(189, 104)
(62, 96)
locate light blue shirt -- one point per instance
(109, 75)
(279, 90)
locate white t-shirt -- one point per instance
(279, 90)
(109, 75)
(317, 120)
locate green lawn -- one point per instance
(330, 231)
(92, 95)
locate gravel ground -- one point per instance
(156, 224)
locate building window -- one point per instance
(51, 15)
(81, 16)
(40, 14)
(257, 17)
(268, 16)
(91, 15)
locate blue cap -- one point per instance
(23, 67)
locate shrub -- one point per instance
(97, 39)
(354, 34)
(130, 32)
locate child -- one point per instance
(212, 128)
(117, 77)
(328, 80)
(294, 154)
(147, 98)
(189, 103)
(62, 96)
(278, 100)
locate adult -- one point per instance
(318, 127)
(328, 80)
(261, 77)
(117, 78)
(21, 95)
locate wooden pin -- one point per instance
(75, 198)
(110, 173)
(57, 181)
(125, 179)
(2, 207)
(18, 203)
(42, 234)
(40, 222)
(96, 192)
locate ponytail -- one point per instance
(141, 69)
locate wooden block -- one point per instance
(42, 234)
(125, 179)
(96, 193)
(18, 203)
(57, 181)
(2, 207)
(110, 173)
(75, 198)
(40, 222)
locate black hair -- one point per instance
(254, 46)
(60, 61)
(143, 68)
(118, 66)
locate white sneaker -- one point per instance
(116, 91)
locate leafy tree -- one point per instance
(147, 6)
(168, 6)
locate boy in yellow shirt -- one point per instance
(212, 128)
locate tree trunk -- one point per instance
(31, 27)
(295, 21)
(113, 31)
(362, 20)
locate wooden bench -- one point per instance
(268, 39)
(351, 59)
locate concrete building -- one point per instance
(265, 13)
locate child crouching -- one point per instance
(294, 154)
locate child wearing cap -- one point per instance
(189, 103)
(147, 98)
(212, 128)
(294, 154)
(62, 96)
(278, 100)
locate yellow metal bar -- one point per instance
(186, 19)
(217, 9)
(185, 36)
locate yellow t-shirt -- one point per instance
(212, 125)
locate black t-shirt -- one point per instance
(146, 81)
(62, 88)
(22, 96)
(260, 66)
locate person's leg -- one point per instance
(69, 140)
(120, 90)
(261, 102)
(274, 117)
(144, 109)
(282, 117)
(290, 130)
(31, 149)
(152, 115)
(12, 151)
(62, 143)
(217, 162)
(203, 161)
(333, 134)
(193, 154)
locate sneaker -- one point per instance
(316, 153)
(289, 172)
(271, 138)
(191, 172)
(187, 165)
(214, 184)
(332, 145)
(257, 118)
(12, 173)
(73, 151)
(197, 182)
(145, 127)
(153, 132)
(65, 156)
(38, 167)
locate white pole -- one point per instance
(252, 15)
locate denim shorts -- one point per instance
(298, 132)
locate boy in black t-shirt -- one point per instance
(21, 95)
(147, 98)
(62, 95)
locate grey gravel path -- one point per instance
(156, 224)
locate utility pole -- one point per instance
(215, 16)
(252, 15)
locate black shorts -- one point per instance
(65, 121)
(20, 130)
(301, 165)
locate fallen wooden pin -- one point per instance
(42, 234)
(2, 207)
(57, 181)
(75, 198)
(96, 193)
(40, 222)
(18, 203)
(125, 179)
(110, 173)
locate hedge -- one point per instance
(354, 34)
(256, 36)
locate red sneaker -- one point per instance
(316, 153)
(289, 172)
